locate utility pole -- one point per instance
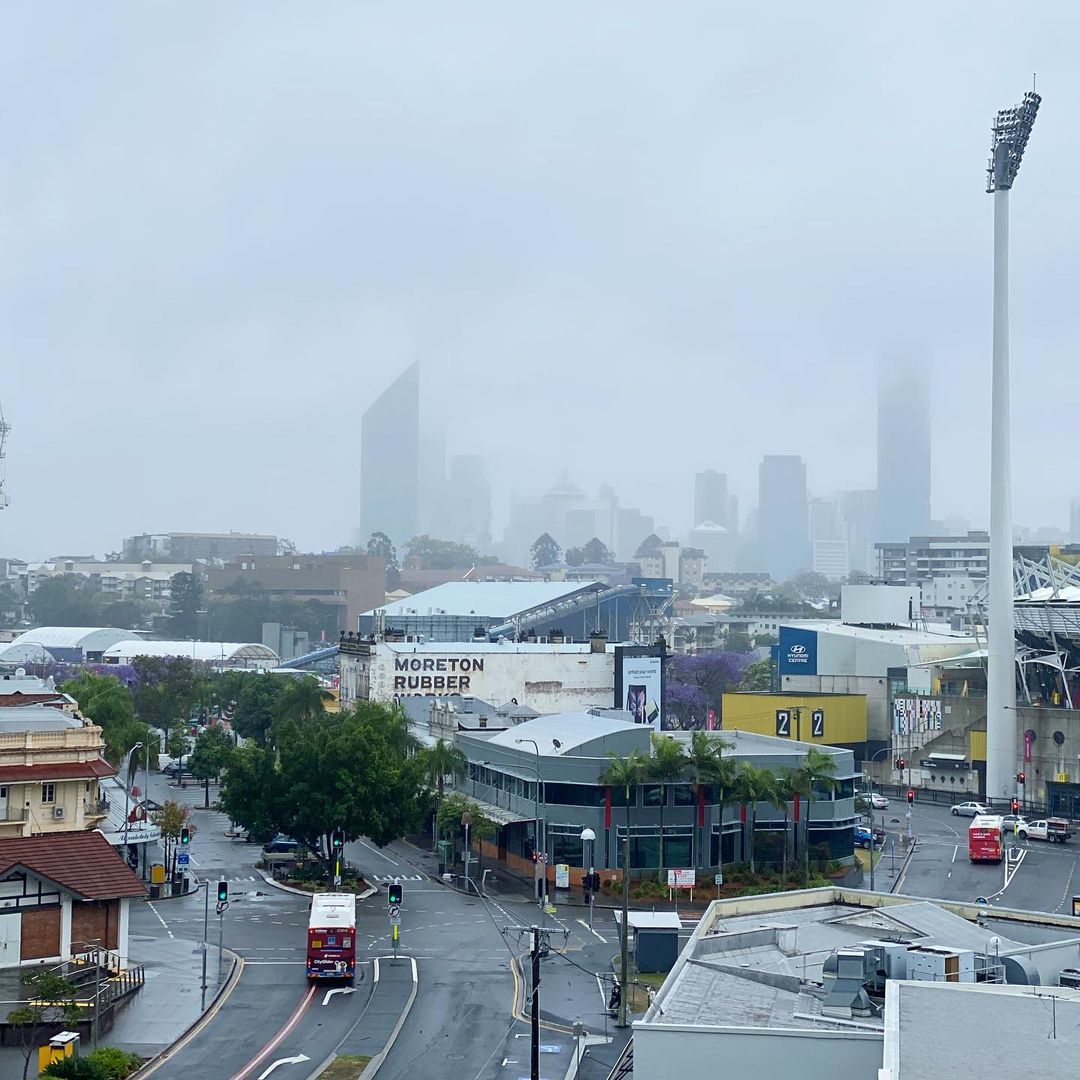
(535, 1057)
(624, 982)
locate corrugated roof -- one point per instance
(84, 863)
(486, 599)
(88, 638)
(58, 770)
(571, 729)
(208, 651)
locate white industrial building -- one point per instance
(827, 983)
(548, 677)
(225, 654)
(67, 644)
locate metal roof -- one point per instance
(208, 651)
(88, 638)
(572, 730)
(485, 599)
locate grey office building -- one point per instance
(903, 455)
(783, 515)
(710, 497)
(390, 460)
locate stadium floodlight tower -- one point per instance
(1012, 129)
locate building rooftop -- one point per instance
(762, 961)
(84, 863)
(504, 646)
(572, 730)
(88, 638)
(485, 599)
(208, 651)
(37, 717)
(895, 635)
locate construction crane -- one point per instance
(5, 427)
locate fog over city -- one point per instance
(627, 242)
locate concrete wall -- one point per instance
(662, 1051)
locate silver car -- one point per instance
(969, 809)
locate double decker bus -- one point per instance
(985, 838)
(331, 940)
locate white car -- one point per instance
(969, 809)
(879, 802)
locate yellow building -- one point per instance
(50, 768)
(826, 719)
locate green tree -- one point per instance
(167, 690)
(344, 771)
(574, 556)
(782, 794)
(171, 818)
(101, 698)
(667, 765)
(381, 546)
(256, 706)
(448, 818)
(813, 777)
(596, 551)
(757, 677)
(440, 761)
(301, 699)
(65, 600)
(649, 548)
(185, 602)
(214, 749)
(625, 774)
(50, 1000)
(435, 554)
(545, 551)
(737, 641)
(705, 764)
(752, 785)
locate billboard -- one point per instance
(639, 683)
(798, 651)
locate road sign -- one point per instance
(393, 911)
(681, 879)
(395, 920)
(183, 858)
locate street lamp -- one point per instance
(125, 779)
(588, 837)
(541, 838)
(870, 777)
(1012, 129)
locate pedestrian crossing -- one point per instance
(379, 878)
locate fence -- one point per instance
(923, 795)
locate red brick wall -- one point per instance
(40, 933)
(95, 921)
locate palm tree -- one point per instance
(703, 759)
(752, 785)
(819, 769)
(626, 773)
(799, 787)
(440, 761)
(302, 699)
(666, 766)
(783, 793)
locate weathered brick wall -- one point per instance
(95, 921)
(40, 933)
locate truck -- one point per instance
(331, 938)
(985, 838)
(1054, 830)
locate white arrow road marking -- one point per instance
(339, 990)
(283, 1061)
(582, 922)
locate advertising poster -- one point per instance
(639, 683)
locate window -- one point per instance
(48, 793)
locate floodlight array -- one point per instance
(1011, 131)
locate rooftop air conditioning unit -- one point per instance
(58, 813)
(1069, 977)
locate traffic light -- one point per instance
(901, 763)
(1021, 778)
(910, 796)
(222, 892)
(185, 836)
(337, 838)
(1016, 806)
(393, 893)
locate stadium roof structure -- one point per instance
(487, 599)
(29, 644)
(226, 653)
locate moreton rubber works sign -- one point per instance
(431, 675)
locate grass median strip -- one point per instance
(345, 1067)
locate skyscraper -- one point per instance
(390, 460)
(469, 502)
(710, 497)
(783, 519)
(903, 457)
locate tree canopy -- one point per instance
(545, 551)
(185, 603)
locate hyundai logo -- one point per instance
(797, 650)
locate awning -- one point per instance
(499, 814)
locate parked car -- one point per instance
(969, 809)
(879, 802)
(1053, 830)
(281, 845)
(862, 836)
(174, 770)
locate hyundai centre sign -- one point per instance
(798, 651)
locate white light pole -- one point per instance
(541, 840)
(588, 836)
(1012, 128)
(127, 791)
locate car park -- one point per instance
(969, 809)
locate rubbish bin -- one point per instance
(155, 891)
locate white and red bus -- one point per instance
(331, 940)
(985, 838)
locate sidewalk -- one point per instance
(156, 1015)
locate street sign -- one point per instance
(183, 858)
(393, 911)
(681, 879)
(395, 920)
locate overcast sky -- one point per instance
(633, 240)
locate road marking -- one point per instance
(955, 849)
(297, 1060)
(274, 1043)
(160, 919)
(376, 851)
(339, 990)
(592, 931)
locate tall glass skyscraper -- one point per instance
(903, 457)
